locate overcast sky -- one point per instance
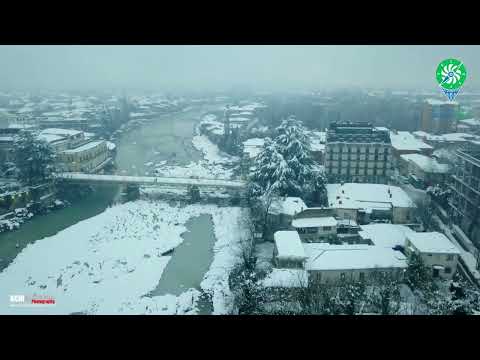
(220, 67)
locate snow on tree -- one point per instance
(418, 275)
(34, 158)
(294, 145)
(439, 194)
(285, 165)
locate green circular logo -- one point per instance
(451, 74)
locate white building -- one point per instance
(315, 229)
(331, 263)
(436, 251)
(425, 168)
(366, 202)
(288, 250)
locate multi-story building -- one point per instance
(465, 200)
(439, 117)
(358, 152)
(90, 158)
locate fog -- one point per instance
(221, 67)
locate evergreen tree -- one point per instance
(418, 275)
(34, 159)
(285, 166)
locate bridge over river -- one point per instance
(93, 179)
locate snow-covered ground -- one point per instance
(108, 263)
(211, 167)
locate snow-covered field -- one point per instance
(108, 263)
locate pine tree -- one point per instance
(418, 275)
(285, 166)
(34, 159)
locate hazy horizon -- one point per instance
(218, 67)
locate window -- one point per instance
(342, 276)
(327, 228)
(449, 258)
(362, 276)
(448, 270)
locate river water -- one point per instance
(166, 138)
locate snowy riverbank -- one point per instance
(108, 263)
(215, 165)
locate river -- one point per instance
(166, 138)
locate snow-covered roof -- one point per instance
(290, 278)
(254, 142)
(6, 138)
(314, 222)
(440, 102)
(20, 126)
(426, 163)
(471, 122)
(287, 206)
(404, 140)
(385, 235)
(324, 256)
(289, 245)
(84, 147)
(61, 132)
(450, 137)
(50, 137)
(432, 242)
(366, 196)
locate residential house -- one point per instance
(288, 250)
(364, 203)
(436, 251)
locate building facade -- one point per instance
(439, 117)
(465, 199)
(89, 158)
(357, 152)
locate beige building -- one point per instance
(89, 158)
(436, 251)
(331, 263)
(316, 229)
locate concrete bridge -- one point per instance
(93, 179)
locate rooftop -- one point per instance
(356, 133)
(366, 196)
(314, 222)
(385, 235)
(432, 242)
(323, 256)
(450, 137)
(61, 132)
(426, 163)
(437, 102)
(404, 140)
(471, 122)
(289, 245)
(288, 206)
(286, 278)
(84, 147)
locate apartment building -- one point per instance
(358, 152)
(465, 200)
